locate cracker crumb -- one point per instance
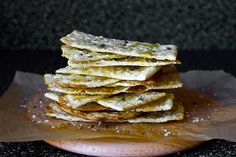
(167, 133)
(23, 106)
(46, 120)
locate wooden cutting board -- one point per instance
(131, 147)
(121, 147)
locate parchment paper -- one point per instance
(22, 118)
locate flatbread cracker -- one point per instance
(56, 112)
(166, 78)
(73, 101)
(130, 61)
(117, 72)
(176, 113)
(79, 81)
(163, 104)
(81, 106)
(128, 101)
(91, 91)
(123, 47)
(99, 116)
(88, 103)
(92, 107)
(86, 91)
(86, 55)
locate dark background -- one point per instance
(203, 30)
(190, 24)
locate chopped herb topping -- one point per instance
(91, 126)
(141, 98)
(133, 68)
(90, 56)
(125, 42)
(102, 45)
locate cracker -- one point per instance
(123, 47)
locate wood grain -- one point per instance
(121, 147)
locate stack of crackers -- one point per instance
(111, 80)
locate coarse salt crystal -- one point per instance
(167, 133)
(195, 119)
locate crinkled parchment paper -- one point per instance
(209, 98)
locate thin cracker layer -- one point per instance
(128, 101)
(116, 72)
(99, 116)
(129, 61)
(123, 47)
(177, 113)
(86, 55)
